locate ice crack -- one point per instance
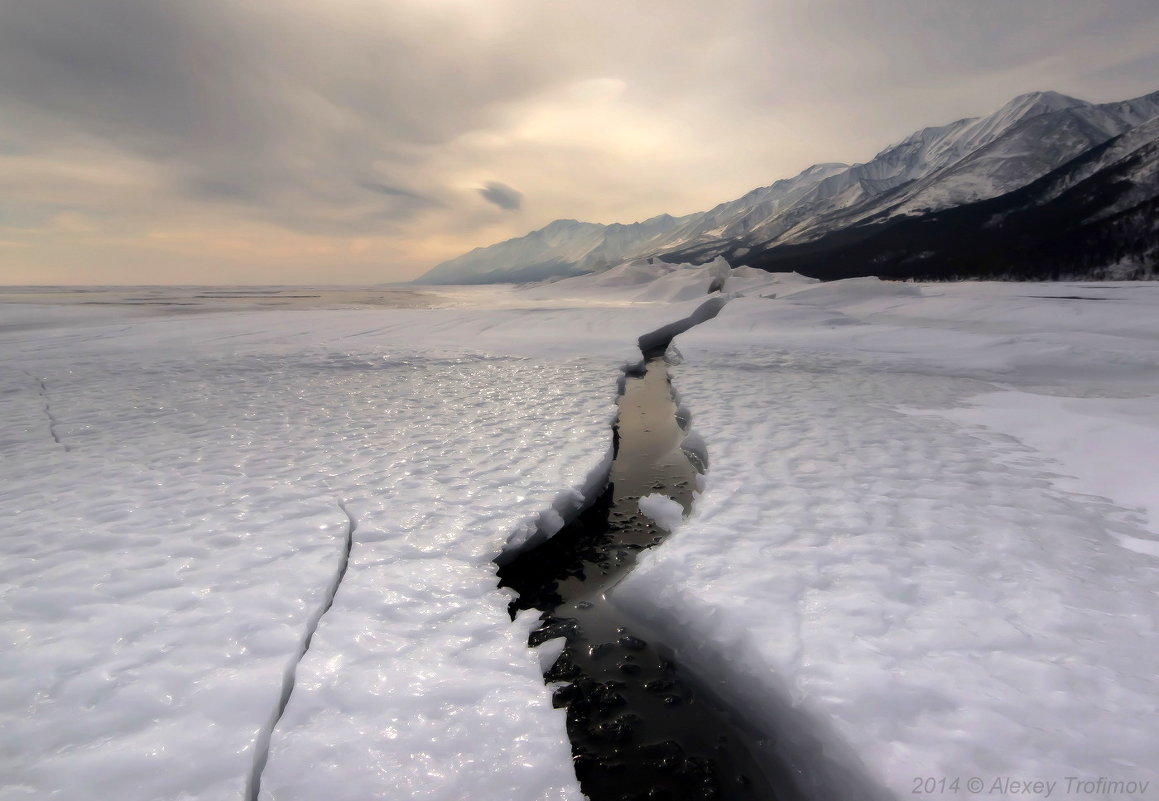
(262, 746)
(640, 723)
(52, 422)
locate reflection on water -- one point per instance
(642, 726)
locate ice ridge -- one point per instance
(663, 336)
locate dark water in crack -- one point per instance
(641, 726)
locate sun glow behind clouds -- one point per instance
(217, 141)
(593, 113)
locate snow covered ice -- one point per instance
(162, 562)
(918, 550)
(927, 543)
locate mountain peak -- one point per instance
(562, 223)
(823, 167)
(1031, 104)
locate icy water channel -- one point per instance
(641, 726)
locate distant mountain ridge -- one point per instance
(1095, 217)
(827, 207)
(561, 248)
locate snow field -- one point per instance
(899, 594)
(924, 547)
(1108, 448)
(160, 575)
(155, 581)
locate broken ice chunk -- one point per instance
(662, 510)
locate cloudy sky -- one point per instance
(363, 141)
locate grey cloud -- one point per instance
(257, 105)
(394, 191)
(214, 189)
(501, 195)
(325, 116)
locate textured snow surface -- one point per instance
(928, 536)
(175, 494)
(1106, 447)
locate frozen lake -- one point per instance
(926, 545)
(220, 298)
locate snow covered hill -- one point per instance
(931, 170)
(936, 169)
(1097, 216)
(565, 247)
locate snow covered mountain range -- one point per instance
(1042, 170)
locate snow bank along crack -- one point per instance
(654, 343)
(262, 745)
(52, 422)
(641, 725)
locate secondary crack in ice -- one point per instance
(52, 423)
(641, 726)
(262, 745)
